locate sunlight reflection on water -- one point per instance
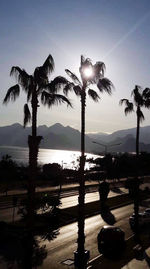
(66, 158)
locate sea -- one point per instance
(66, 158)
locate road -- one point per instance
(62, 248)
(6, 214)
(89, 197)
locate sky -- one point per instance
(116, 32)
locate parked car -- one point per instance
(111, 240)
(143, 219)
(147, 211)
(132, 220)
(146, 217)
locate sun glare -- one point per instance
(88, 72)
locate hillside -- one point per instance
(59, 137)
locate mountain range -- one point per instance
(59, 137)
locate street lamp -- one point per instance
(106, 146)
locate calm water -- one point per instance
(66, 158)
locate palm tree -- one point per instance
(140, 99)
(36, 86)
(90, 74)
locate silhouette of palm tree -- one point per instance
(35, 86)
(90, 74)
(140, 99)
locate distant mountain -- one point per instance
(56, 137)
(144, 135)
(59, 137)
(98, 136)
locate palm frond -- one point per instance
(136, 90)
(48, 66)
(146, 93)
(53, 99)
(29, 94)
(106, 85)
(99, 69)
(31, 88)
(12, 93)
(124, 101)
(85, 63)
(68, 87)
(22, 77)
(93, 94)
(128, 109)
(41, 72)
(77, 90)
(147, 103)
(27, 115)
(137, 95)
(82, 59)
(73, 77)
(55, 85)
(129, 106)
(40, 76)
(60, 80)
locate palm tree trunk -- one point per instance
(33, 142)
(137, 133)
(136, 196)
(81, 208)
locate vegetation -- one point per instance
(140, 99)
(39, 211)
(89, 74)
(22, 248)
(35, 86)
(121, 165)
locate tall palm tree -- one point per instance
(36, 86)
(141, 98)
(89, 75)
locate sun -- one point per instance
(88, 72)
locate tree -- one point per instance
(90, 74)
(140, 99)
(36, 86)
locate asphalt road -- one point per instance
(62, 248)
(6, 214)
(89, 197)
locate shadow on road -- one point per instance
(117, 190)
(107, 216)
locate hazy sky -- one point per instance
(114, 31)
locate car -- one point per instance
(132, 220)
(143, 219)
(146, 217)
(147, 211)
(111, 240)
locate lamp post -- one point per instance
(106, 146)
